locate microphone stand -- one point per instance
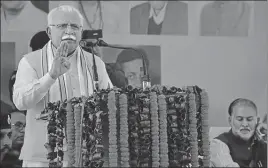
(95, 72)
(146, 82)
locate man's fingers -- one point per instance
(67, 64)
(59, 50)
(65, 50)
(62, 49)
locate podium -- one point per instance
(157, 127)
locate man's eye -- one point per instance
(9, 134)
(75, 26)
(131, 76)
(249, 119)
(62, 25)
(239, 118)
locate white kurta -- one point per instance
(29, 93)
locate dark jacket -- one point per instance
(245, 153)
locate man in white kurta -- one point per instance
(58, 71)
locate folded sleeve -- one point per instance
(220, 155)
(28, 88)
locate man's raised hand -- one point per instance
(60, 63)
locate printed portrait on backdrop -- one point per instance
(125, 67)
(226, 18)
(7, 67)
(105, 15)
(42, 5)
(159, 18)
(21, 16)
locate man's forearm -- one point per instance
(27, 96)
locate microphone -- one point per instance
(89, 46)
(146, 82)
(89, 43)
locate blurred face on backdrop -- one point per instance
(18, 121)
(5, 142)
(243, 121)
(13, 5)
(65, 26)
(5, 135)
(133, 72)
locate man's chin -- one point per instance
(246, 137)
(17, 144)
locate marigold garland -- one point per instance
(112, 130)
(163, 137)
(124, 131)
(70, 129)
(78, 133)
(205, 128)
(193, 130)
(156, 127)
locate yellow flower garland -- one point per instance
(112, 130)
(193, 130)
(154, 129)
(124, 131)
(70, 129)
(163, 137)
(78, 134)
(205, 128)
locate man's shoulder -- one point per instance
(34, 54)
(178, 5)
(223, 137)
(33, 58)
(140, 7)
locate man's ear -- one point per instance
(48, 31)
(258, 120)
(230, 120)
(82, 31)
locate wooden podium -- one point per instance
(157, 127)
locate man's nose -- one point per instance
(69, 30)
(22, 130)
(244, 123)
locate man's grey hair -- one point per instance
(64, 8)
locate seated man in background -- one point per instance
(239, 146)
(17, 121)
(5, 141)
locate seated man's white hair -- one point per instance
(64, 8)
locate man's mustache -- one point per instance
(6, 147)
(247, 129)
(68, 37)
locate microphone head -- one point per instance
(101, 43)
(82, 43)
(85, 43)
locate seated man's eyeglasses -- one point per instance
(19, 125)
(65, 25)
